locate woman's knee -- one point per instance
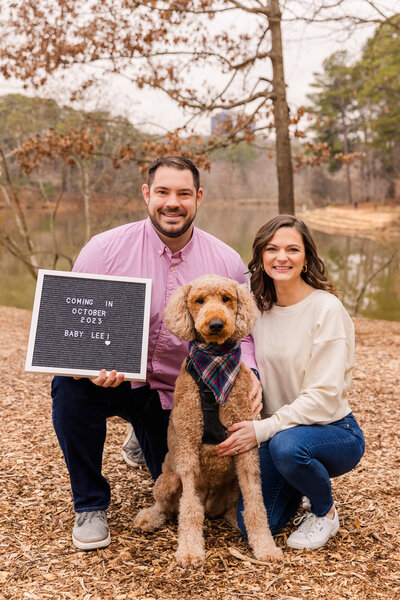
(288, 450)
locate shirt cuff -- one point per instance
(265, 429)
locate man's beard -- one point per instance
(171, 234)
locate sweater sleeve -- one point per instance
(321, 394)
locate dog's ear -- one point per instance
(177, 316)
(246, 312)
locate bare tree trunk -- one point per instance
(86, 194)
(281, 113)
(53, 209)
(14, 203)
(366, 173)
(346, 149)
(349, 190)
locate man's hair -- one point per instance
(174, 162)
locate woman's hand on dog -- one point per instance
(242, 439)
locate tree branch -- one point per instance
(370, 278)
(16, 207)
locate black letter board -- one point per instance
(83, 323)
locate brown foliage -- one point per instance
(315, 154)
(156, 44)
(78, 143)
(170, 46)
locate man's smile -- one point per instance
(172, 215)
(172, 218)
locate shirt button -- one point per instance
(171, 268)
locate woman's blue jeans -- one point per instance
(299, 462)
(80, 412)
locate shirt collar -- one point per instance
(161, 248)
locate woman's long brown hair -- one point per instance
(262, 285)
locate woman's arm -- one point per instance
(318, 402)
(322, 394)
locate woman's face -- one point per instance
(284, 256)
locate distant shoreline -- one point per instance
(368, 219)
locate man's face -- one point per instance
(172, 201)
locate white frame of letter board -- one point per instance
(87, 372)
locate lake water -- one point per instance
(350, 261)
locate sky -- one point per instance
(305, 48)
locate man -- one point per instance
(167, 248)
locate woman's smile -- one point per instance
(284, 256)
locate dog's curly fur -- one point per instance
(194, 480)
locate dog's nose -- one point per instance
(216, 325)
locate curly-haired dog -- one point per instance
(213, 313)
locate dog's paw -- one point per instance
(273, 554)
(149, 519)
(190, 558)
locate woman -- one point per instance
(304, 342)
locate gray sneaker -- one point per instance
(131, 451)
(91, 530)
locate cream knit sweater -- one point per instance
(305, 355)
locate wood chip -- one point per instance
(241, 556)
(38, 561)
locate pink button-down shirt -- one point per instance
(135, 250)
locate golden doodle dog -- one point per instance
(213, 313)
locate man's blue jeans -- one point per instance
(80, 412)
(299, 462)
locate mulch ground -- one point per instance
(38, 561)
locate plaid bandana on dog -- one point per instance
(218, 366)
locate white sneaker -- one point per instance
(313, 531)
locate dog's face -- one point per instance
(212, 309)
